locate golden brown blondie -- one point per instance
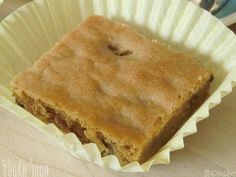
(112, 86)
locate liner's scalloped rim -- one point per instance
(90, 152)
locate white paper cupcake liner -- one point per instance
(36, 27)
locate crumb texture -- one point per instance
(107, 76)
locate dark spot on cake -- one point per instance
(211, 78)
(117, 51)
(79, 131)
(124, 53)
(112, 47)
(127, 147)
(59, 120)
(101, 137)
(20, 104)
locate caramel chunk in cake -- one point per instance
(112, 86)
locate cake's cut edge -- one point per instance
(108, 146)
(86, 134)
(175, 123)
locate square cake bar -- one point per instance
(113, 86)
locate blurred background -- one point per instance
(222, 9)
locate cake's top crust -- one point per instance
(114, 78)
